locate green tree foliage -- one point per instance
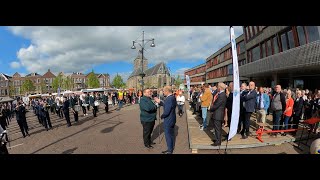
(178, 81)
(118, 82)
(27, 86)
(57, 82)
(93, 81)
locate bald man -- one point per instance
(250, 105)
(148, 113)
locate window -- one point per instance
(38, 80)
(255, 29)
(252, 31)
(230, 69)
(256, 53)
(221, 57)
(263, 50)
(284, 42)
(291, 40)
(269, 48)
(242, 48)
(313, 33)
(301, 35)
(247, 33)
(275, 45)
(249, 56)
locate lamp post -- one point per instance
(142, 45)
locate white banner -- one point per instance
(188, 82)
(236, 88)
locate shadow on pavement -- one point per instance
(69, 151)
(155, 133)
(84, 129)
(110, 129)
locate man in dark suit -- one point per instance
(250, 105)
(74, 102)
(92, 98)
(65, 109)
(105, 101)
(297, 110)
(217, 108)
(169, 116)
(148, 113)
(21, 119)
(243, 92)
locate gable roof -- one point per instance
(49, 74)
(6, 77)
(159, 68)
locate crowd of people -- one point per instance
(287, 106)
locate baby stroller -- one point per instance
(3, 141)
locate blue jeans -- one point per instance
(120, 104)
(276, 119)
(286, 121)
(204, 116)
(180, 108)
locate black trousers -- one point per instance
(246, 123)
(295, 121)
(147, 130)
(47, 120)
(76, 116)
(88, 107)
(229, 118)
(84, 110)
(217, 125)
(23, 127)
(67, 116)
(106, 107)
(95, 109)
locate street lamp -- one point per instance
(142, 45)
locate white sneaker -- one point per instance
(202, 128)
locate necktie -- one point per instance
(215, 97)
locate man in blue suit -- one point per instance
(169, 116)
(250, 105)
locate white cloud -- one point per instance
(70, 49)
(15, 65)
(181, 72)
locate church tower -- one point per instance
(137, 62)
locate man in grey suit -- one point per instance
(218, 111)
(250, 104)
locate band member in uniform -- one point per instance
(105, 101)
(65, 109)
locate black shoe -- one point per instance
(149, 147)
(152, 143)
(247, 133)
(216, 144)
(243, 136)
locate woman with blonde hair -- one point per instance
(288, 111)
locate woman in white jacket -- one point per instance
(180, 102)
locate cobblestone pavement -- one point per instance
(116, 132)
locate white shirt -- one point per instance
(180, 100)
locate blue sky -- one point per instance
(105, 49)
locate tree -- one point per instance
(43, 86)
(57, 82)
(178, 81)
(118, 82)
(67, 83)
(12, 91)
(27, 86)
(93, 81)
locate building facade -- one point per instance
(47, 79)
(79, 80)
(5, 83)
(197, 75)
(17, 81)
(285, 55)
(218, 66)
(155, 77)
